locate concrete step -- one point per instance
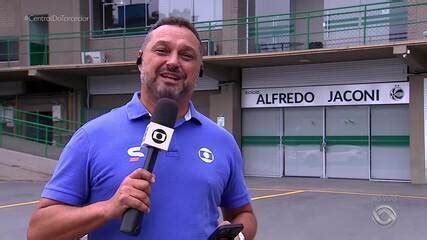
(18, 166)
(30, 147)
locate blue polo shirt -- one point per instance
(201, 171)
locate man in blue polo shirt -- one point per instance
(99, 173)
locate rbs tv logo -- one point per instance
(158, 136)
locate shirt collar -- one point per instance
(193, 115)
(135, 109)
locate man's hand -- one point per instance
(134, 192)
(56, 220)
(225, 223)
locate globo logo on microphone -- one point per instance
(158, 136)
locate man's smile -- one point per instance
(170, 76)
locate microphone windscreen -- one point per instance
(165, 112)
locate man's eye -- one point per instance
(161, 51)
(187, 56)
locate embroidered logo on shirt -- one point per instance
(135, 154)
(206, 155)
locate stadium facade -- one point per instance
(311, 88)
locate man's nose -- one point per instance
(173, 62)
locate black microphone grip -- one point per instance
(164, 114)
(151, 158)
(132, 217)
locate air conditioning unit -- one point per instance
(93, 57)
(209, 48)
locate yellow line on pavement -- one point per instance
(272, 189)
(18, 204)
(368, 194)
(341, 192)
(277, 195)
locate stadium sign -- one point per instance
(358, 94)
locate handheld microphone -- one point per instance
(157, 136)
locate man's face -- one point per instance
(171, 62)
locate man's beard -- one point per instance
(159, 90)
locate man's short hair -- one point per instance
(173, 21)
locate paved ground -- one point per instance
(287, 208)
(309, 209)
(16, 205)
(18, 166)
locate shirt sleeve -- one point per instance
(70, 181)
(236, 193)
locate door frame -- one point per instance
(368, 132)
(324, 146)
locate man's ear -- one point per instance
(139, 59)
(140, 68)
(201, 71)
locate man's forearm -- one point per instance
(249, 221)
(66, 222)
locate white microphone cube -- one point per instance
(158, 136)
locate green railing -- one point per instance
(326, 28)
(39, 118)
(44, 135)
(40, 138)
